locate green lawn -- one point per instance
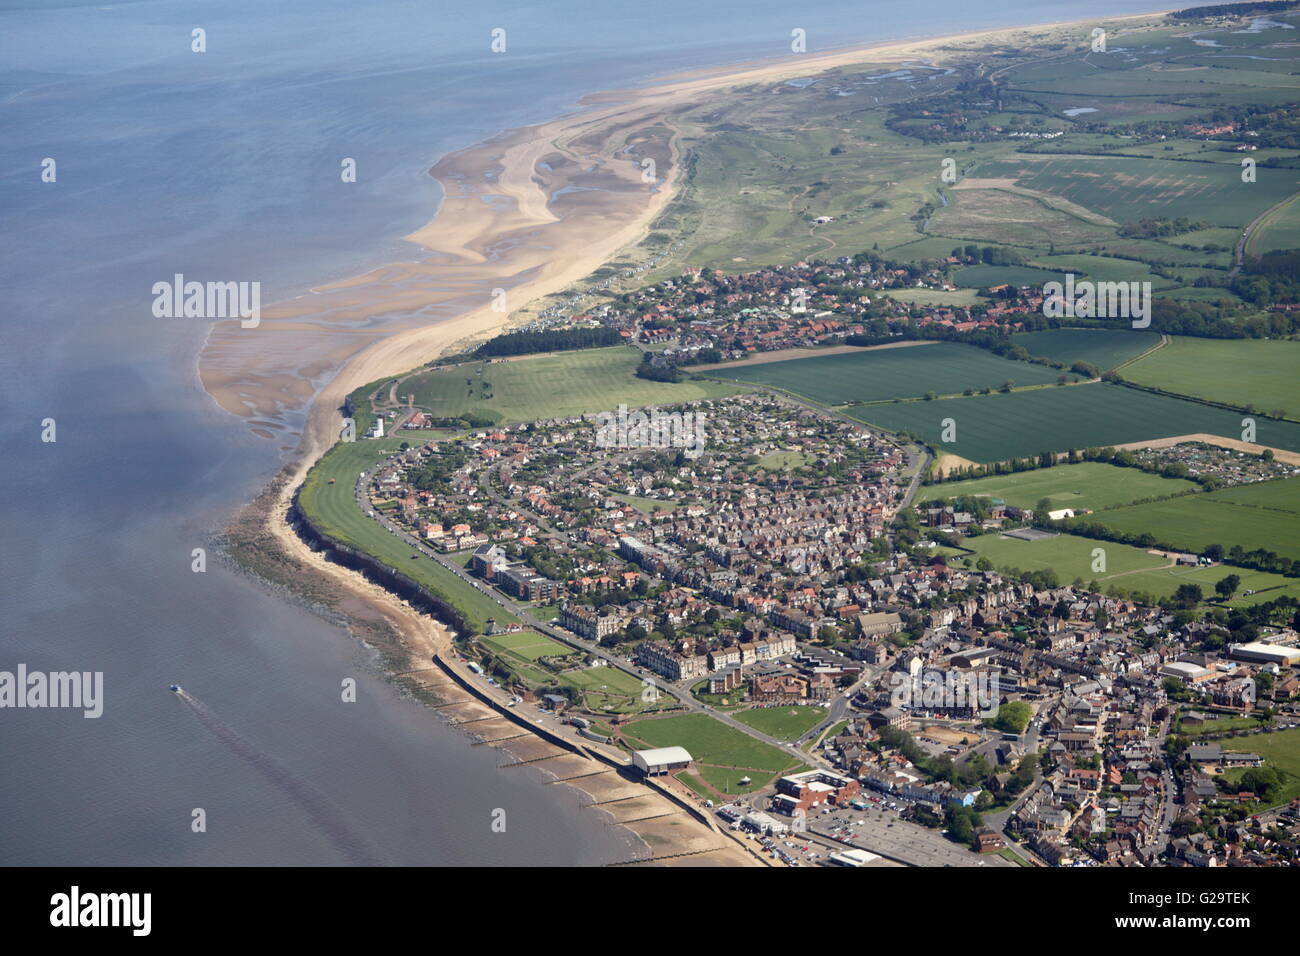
(1129, 570)
(1091, 485)
(783, 723)
(782, 460)
(550, 386)
(1241, 372)
(1281, 751)
(1260, 515)
(883, 374)
(1001, 426)
(722, 755)
(528, 644)
(1220, 725)
(646, 505)
(1069, 556)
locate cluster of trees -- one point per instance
(1012, 717)
(1233, 9)
(556, 340)
(655, 372)
(1160, 227)
(1111, 456)
(971, 772)
(1272, 277)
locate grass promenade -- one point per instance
(549, 386)
(333, 509)
(1002, 426)
(1241, 372)
(874, 376)
(1089, 485)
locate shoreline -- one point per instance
(470, 245)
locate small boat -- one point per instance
(174, 688)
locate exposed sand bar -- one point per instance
(507, 222)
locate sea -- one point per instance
(224, 164)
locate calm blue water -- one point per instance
(225, 165)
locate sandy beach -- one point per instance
(530, 212)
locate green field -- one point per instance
(1281, 751)
(1069, 556)
(549, 386)
(783, 723)
(1104, 348)
(609, 690)
(722, 755)
(1242, 372)
(997, 427)
(1090, 485)
(1279, 230)
(333, 509)
(980, 277)
(1131, 188)
(1128, 570)
(527, 644)
(783, 460)
(1262, 515)
(883, 374)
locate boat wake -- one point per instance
(324, 817)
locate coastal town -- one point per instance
(785, 578)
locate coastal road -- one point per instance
(1239, 256)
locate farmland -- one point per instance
(1001, 426)
(981, 277)
(548, 386)
(1129, 188)
(884, 374)
(1264, 515)
(1089, 485)
(1242, 372)
(1104, 348)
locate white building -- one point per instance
(661, 760)
(1265, 653)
